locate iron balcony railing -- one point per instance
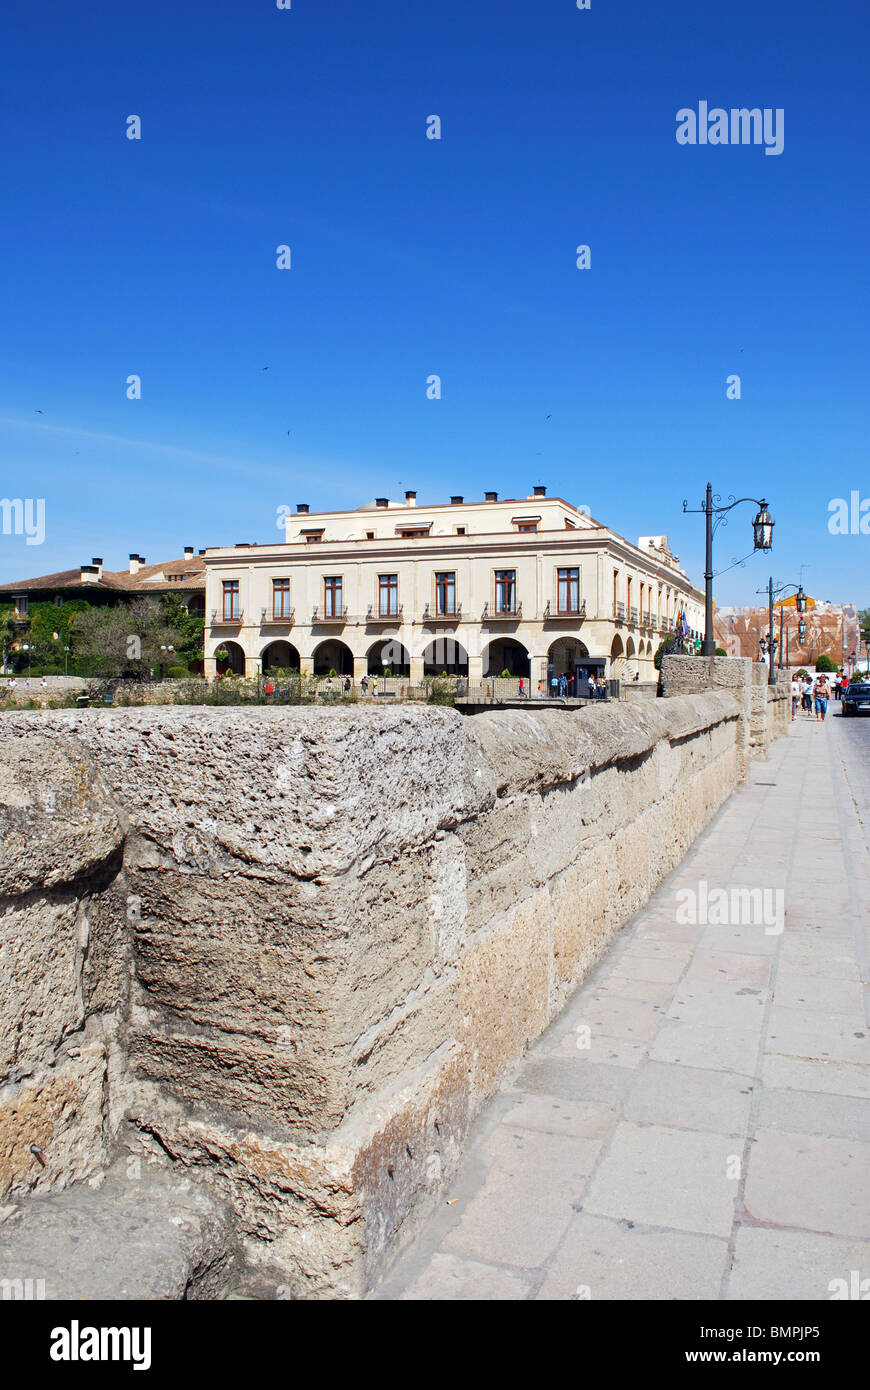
(375, 614)
(318, 617)
(273, 617)
(579, 611)
(433, 614)
(634, 616)
(491, 612)
(620, 611)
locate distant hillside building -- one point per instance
(831, 630)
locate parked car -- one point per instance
(855, 697)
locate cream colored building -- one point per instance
(533, 586)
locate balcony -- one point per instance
(433, 615)
(666, 624)
(227, 619)
(645, 618)
(277, 619)
(374, 615)
(620, 613)
(653, 621)
(334, 619)
(564, 615)
(491, 614)
(634, 616)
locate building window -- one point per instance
(313, 540)
(460, 530)
(388, 595)
(445, 594)
(370, 535)
(414, 534)
(528, 526)
(22, 605)
(280, 598)
(505, 591)
(568, 595)
(231, 598)
(332, 596)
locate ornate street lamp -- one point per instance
(762, 532)
(800, 604)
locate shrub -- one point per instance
(178, 673)
(720, 651)
(505, 675)
(825, 663)
(664, 647)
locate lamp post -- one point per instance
(169, 650)
(772, 644)
(762, 539)
(27, 648)
(65, 660)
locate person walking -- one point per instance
(806, 696)
(563, 685)
(822, 696)
(795, 696)
(522, 689)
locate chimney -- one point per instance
(202, 552)
(456, 501)
(491, 496)
(539, 491)
(382, 501)
(141, 559)
(134, 563)
(97, 560)
(410, 499)
(188, 552)
(301, 508)
(90, 574)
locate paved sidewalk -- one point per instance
(712, 1140)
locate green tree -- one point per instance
(825, 663)
(127, 637)
(189, 627)
(9, 633)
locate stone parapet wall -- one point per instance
(297, 948)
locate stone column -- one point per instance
(360, 668)
(416, 670)
(306, 665)
(539, 673)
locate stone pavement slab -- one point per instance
(696, 1123)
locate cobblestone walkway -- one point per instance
(696, 1124)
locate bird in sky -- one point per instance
(39, 412)
(265, 369)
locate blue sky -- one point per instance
(412, 257)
